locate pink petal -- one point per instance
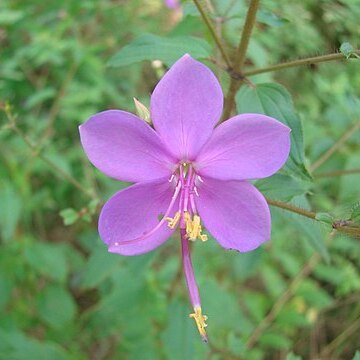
(133, 212)
(248, 146)
(235, 213)
(124, 147)
(185, 106)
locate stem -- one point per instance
(292, 208)
(188, 270)
(300, 62)
(245, 36)
(338, 173)
(339, 225)
(338, 144)
(213, 32)
(240, 54)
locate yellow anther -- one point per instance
(172, 222)
(193, 228)
(188, 222)
(200, 321)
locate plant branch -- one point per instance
(344, 226)
(240, 54)
(338, 144)
(213, 32)
(300, 62)
(338, 173)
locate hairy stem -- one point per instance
(239, 59)
(213, 33)
(342, 226)
(300, 62)
(338, 173)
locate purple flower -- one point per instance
(172, 4)
(187, 173)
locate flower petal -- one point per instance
(235, 213)
(248, 146)
(185, 106)
(133, 212)
(124, 147)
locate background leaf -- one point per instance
(153, 47)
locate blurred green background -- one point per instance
(62, 295)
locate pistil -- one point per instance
(190, 229)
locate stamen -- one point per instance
(172, 222)
(194, 229)
(200, 322)
(196, 191)
(188, 222)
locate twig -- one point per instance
(342, 140)
(292, 208)
(213, 32)
(300, 62)
(344, 226)
(338, 173)
(240, 55)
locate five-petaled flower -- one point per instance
(187, 173)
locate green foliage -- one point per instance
(153, 47)
(63, 296)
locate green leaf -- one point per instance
(356, 355)
(70, 216)
(274, 100)
(271, 19)
(39, 97)
(180, 333)
(313, 294)
(100, 265)
(282, 187)
(307, 227)
(56, 306)
(153, 47)
(48, 260)
(15, 345)
(9, 17)
(275, 341)
(346, 49)
(355, 212)
(325, 218)
(292, 356)
(9, 199)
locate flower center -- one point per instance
(187, 215)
